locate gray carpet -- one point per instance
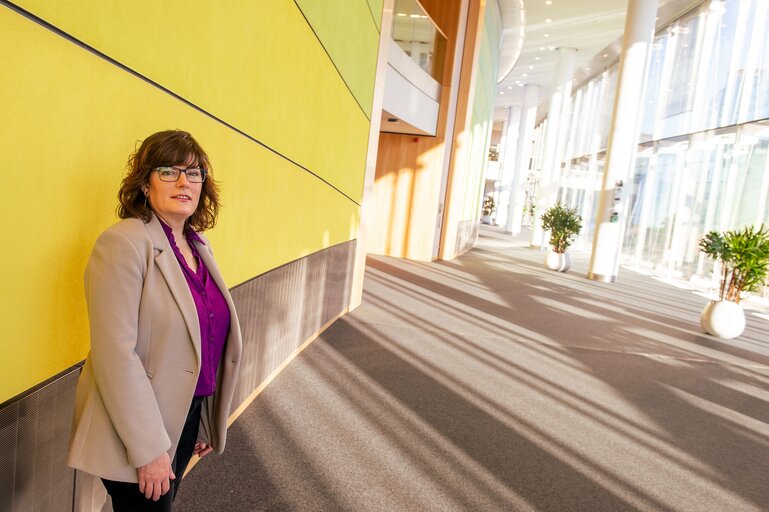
(488, 383)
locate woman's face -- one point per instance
(174, 201)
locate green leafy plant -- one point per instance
(488, 205)
(744, 258)
(563, 224)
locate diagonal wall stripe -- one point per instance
(184, 100)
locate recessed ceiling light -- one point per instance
(509, 86)
(401, 14)
(547, 35)
(520, 85)
(541, 48)
(548, 20)
(605, 55)
(536, 58)
(531, 67)
(502, 93)
(524, 75)
(587, 69)
(548, 2)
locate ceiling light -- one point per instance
(415, 15)
(548, 2)
(509, 87)
(587, 69)
(536, 58)
(541, 48)
(520, 85)
(547, 35)
(502, 93)
(531, 67)
(524, 75)
(401, 14)
(548, 20)
(605, 55)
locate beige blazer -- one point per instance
(135, 389)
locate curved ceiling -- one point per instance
(593, 27)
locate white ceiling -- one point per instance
(593, 27)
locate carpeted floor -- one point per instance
(488, 383)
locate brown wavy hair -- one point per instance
(170, 147)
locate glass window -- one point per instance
(703, 157)
(415, 33)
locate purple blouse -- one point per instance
(213, 312)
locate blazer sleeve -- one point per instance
(113, 285)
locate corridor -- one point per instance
(488, 383)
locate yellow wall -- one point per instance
(70, 118)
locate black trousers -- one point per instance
(126, 496)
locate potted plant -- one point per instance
(488, 209)
(563, 224)
(743, 257)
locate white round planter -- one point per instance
(557, 261)
(723, 318)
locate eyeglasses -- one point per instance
(171, 173)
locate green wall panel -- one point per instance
(337, 23)
(376, 11)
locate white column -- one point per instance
(507, 159)
(522, 158)
(623, 139)
(555, 138)
(367, 210)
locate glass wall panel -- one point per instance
(703, 157)
(686, 186)
(415, 33)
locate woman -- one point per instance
(158, 382)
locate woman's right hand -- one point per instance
(155, 477)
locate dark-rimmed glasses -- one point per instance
(172, 173)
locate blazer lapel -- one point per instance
(174, 276)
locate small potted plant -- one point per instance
(488, 209)
(564, 224)
(743, 257)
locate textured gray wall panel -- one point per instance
(281, 309)
(467, 234)
(33, 449)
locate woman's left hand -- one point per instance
(201, 449)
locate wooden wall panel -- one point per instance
(409, 168)
(463, 132)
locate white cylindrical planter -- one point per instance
(559, 261)
(723, 318)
